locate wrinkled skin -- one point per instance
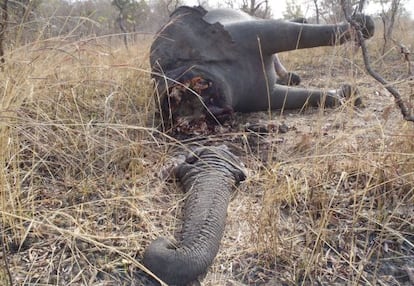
(228, 16)
(208, 176)
(229, 61)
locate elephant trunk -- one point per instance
(208, 177)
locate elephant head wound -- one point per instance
(208, 176)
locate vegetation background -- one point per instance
(328, 201)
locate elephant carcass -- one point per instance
(208, 176)
(209, 64)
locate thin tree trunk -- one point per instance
(384, 34)
(315, 2)
(388, 20)
(361, 5)
(394, 11)
(3, 27)
(121, 25)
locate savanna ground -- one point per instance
(328, 200)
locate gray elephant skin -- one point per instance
(209, 176)
(209, 64)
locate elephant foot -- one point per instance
(347, 93)
(290, 79)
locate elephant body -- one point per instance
(209, 64)
(208, 177)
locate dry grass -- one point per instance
(330, 202)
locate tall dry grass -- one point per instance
(76, 152)
(329, 202)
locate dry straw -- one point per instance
(328, 202)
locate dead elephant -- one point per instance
(207, 65)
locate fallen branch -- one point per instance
(400, 103)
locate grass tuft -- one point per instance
(330, 201)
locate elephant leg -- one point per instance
(284, 77)
(290, 78)
(284, 97)
(277, 36)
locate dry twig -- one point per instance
(405, 52)
(404, 110)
